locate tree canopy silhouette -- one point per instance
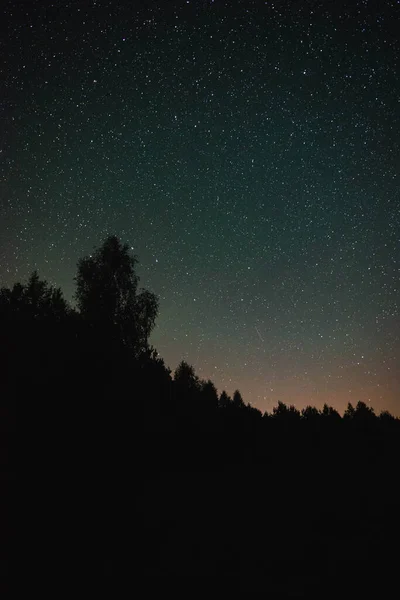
(224, 400)
(35, 300)
(35, 334)
(237, 399)
(108, 298)
(209, 395)
(286, 414)
(328, 412)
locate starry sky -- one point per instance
(247, 151)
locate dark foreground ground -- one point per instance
(289, 526)
(160, 513)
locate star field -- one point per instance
(249, 154)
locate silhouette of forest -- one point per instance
(137, 474)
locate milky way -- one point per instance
(249, 154)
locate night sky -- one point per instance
(247, 151)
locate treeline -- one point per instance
(103, 344)
(101, 414)
(99, 353)
(87, 376)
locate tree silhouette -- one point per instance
(187, 388)
(386, 418)
(349, 412)
(255, 413)
(237, 400)
(35, 300)
(310, 414)
(328, 412)
(209, 395)
(108, 299)
(155, 387)
(224, 400)
(37, 341)
(364, 413)
(286, 414)
(185, 377)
